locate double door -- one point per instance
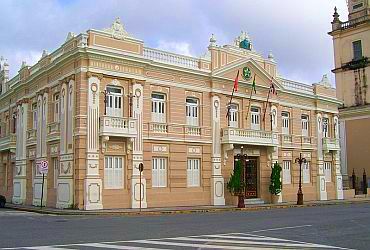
(250, 175)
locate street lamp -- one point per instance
(300, 160)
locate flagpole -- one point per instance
(228, 108)
(249, 106)
(267, 101)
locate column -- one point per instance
(41, 150)
(65, 185)
(217, 180)
(19, 176)
(321, 182)
(93, 182)
(337, 162)
(137, 152)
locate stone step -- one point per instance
(360, 196)
(255, 201)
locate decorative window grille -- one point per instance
(114, 103)
(233, 115)
(193, 172)
(159, 172)
(158, 108)
(192, 112)
(285, 123)
(255, 118)
(287, 178)
(305, 124)
(113, 172)
(327, 171)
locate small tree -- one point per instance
(275, 184)
(236, 183)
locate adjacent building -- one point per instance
(352, 70)
(103, 103)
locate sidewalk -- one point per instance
(182, 210)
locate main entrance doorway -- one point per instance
(251, 178)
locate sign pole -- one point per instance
(42, 188)
(140, 191)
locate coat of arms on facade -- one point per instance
(117, 30)
(247, 74)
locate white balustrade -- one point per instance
(118, 126)
(330, 144)
(296, 86)
(54, 128)
(159, 127)
(196, 131)
(171, 58)
(252, 137)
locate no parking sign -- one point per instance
(43, 167)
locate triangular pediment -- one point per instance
(263, 78)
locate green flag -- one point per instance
(254, 84)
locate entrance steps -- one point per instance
(255, 201)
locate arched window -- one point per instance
(114, 101)
(192, 111)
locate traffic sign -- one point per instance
(43, 167)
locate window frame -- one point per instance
(325, 127)
(287, 175)
(328, 166)
(114, 101)
(192, 111)
(159, 172)
(114, 172)
(305, 123)
(158, 107)
(306, 172)
(285, 122)
(56, 102)
(193, 169)
(255, 118)
(357, 51)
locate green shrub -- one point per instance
(275, 184)
(236, 183)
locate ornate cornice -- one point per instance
(93, 74)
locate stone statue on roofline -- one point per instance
(117, 30)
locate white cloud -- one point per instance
(182, 48)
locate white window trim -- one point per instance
(158, 109)
(327, 170)
(193, 172)
(306, 173)
(285, 126)
(56, 100)
(325, 132)
(113, 172)
(114, 104)
(255, 118)
(192, 111)
(305, 123)
(233, 115)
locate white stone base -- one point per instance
(37, 190)
(135, 192)
(218, 198)
(64, 193)
(93, 194)
(339, 187)
(19, 191)
(321, 188)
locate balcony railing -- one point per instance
(118, 126)
(171, 58)
(158, 127)
(251, 137)
(8, 142)
(329, 144)
(181, 132)
(354, 22)
(196, 131)
(31, 136)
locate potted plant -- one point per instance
(236, 184)
(275, 183)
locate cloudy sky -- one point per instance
(295, 31)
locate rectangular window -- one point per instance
(357, 50)
(113, 172)
(193, 173)
(159, 172)
(327, 171)
(306, 174)
(233, 115)
(305, 123)
(56, 107)
(158, 108)
(287, 179)
(325, 127)
(114, 101)
(255, 118)
(192, 112)
(285, 123)
(56, 171)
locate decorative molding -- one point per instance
(160, 148)
(117, 30)
(194, 150)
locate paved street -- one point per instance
(328, 227)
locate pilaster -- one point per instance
(321, 181)
(274, 151)
(217, 180)
(65, 185)
(19, 177)
(93, 182)
(137, 157)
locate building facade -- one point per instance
(103, 103)
(352, 70)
